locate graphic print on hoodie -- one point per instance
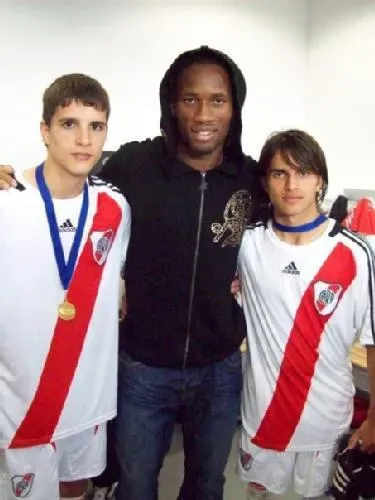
(186, 230)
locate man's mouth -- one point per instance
(82, 156)
(203, 135)
(292, 199)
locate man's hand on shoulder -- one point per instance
(7, 177)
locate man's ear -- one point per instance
(44, 132)
(319, 188)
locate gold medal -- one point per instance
(67, 311)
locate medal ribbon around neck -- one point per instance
(303, 228)
(66, 269)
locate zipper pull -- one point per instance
(203, 185)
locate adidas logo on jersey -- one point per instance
(67, 227)
(291, 269)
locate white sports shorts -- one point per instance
(308, 472)
(35, 473)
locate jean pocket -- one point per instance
(234, 361)
(128, 362)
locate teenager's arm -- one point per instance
(371, 375)
(365, 435)
(365, 324)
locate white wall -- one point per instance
(308, 63)
(341, 88)
(128, 45)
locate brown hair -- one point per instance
(299, 150)
(74, 87)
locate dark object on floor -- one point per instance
(355, 473)
(368, 478)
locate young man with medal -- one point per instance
(308, 295)
(64, 239)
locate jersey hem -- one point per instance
(316, 446)
(29, 443)
(297, 448)
(248, 477)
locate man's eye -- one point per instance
(68, 124)
(98, 127)
(219, 100)
(189, 100)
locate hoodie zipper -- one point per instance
(202, 188)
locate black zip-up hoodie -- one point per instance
(186, 231)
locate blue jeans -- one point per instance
(206, 401)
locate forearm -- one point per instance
(371, 376)
(365, 434)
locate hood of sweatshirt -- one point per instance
(202, 55)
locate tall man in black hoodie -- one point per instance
(189, 193)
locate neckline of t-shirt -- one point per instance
(23, 180)
(298, 248)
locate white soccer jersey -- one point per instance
(58, 377)
(304, 305)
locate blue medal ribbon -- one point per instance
(303, 228)
(66, 269)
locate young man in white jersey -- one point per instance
(64, 238)
(308, 295)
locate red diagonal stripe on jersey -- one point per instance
(66, 346)
(301, 354)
